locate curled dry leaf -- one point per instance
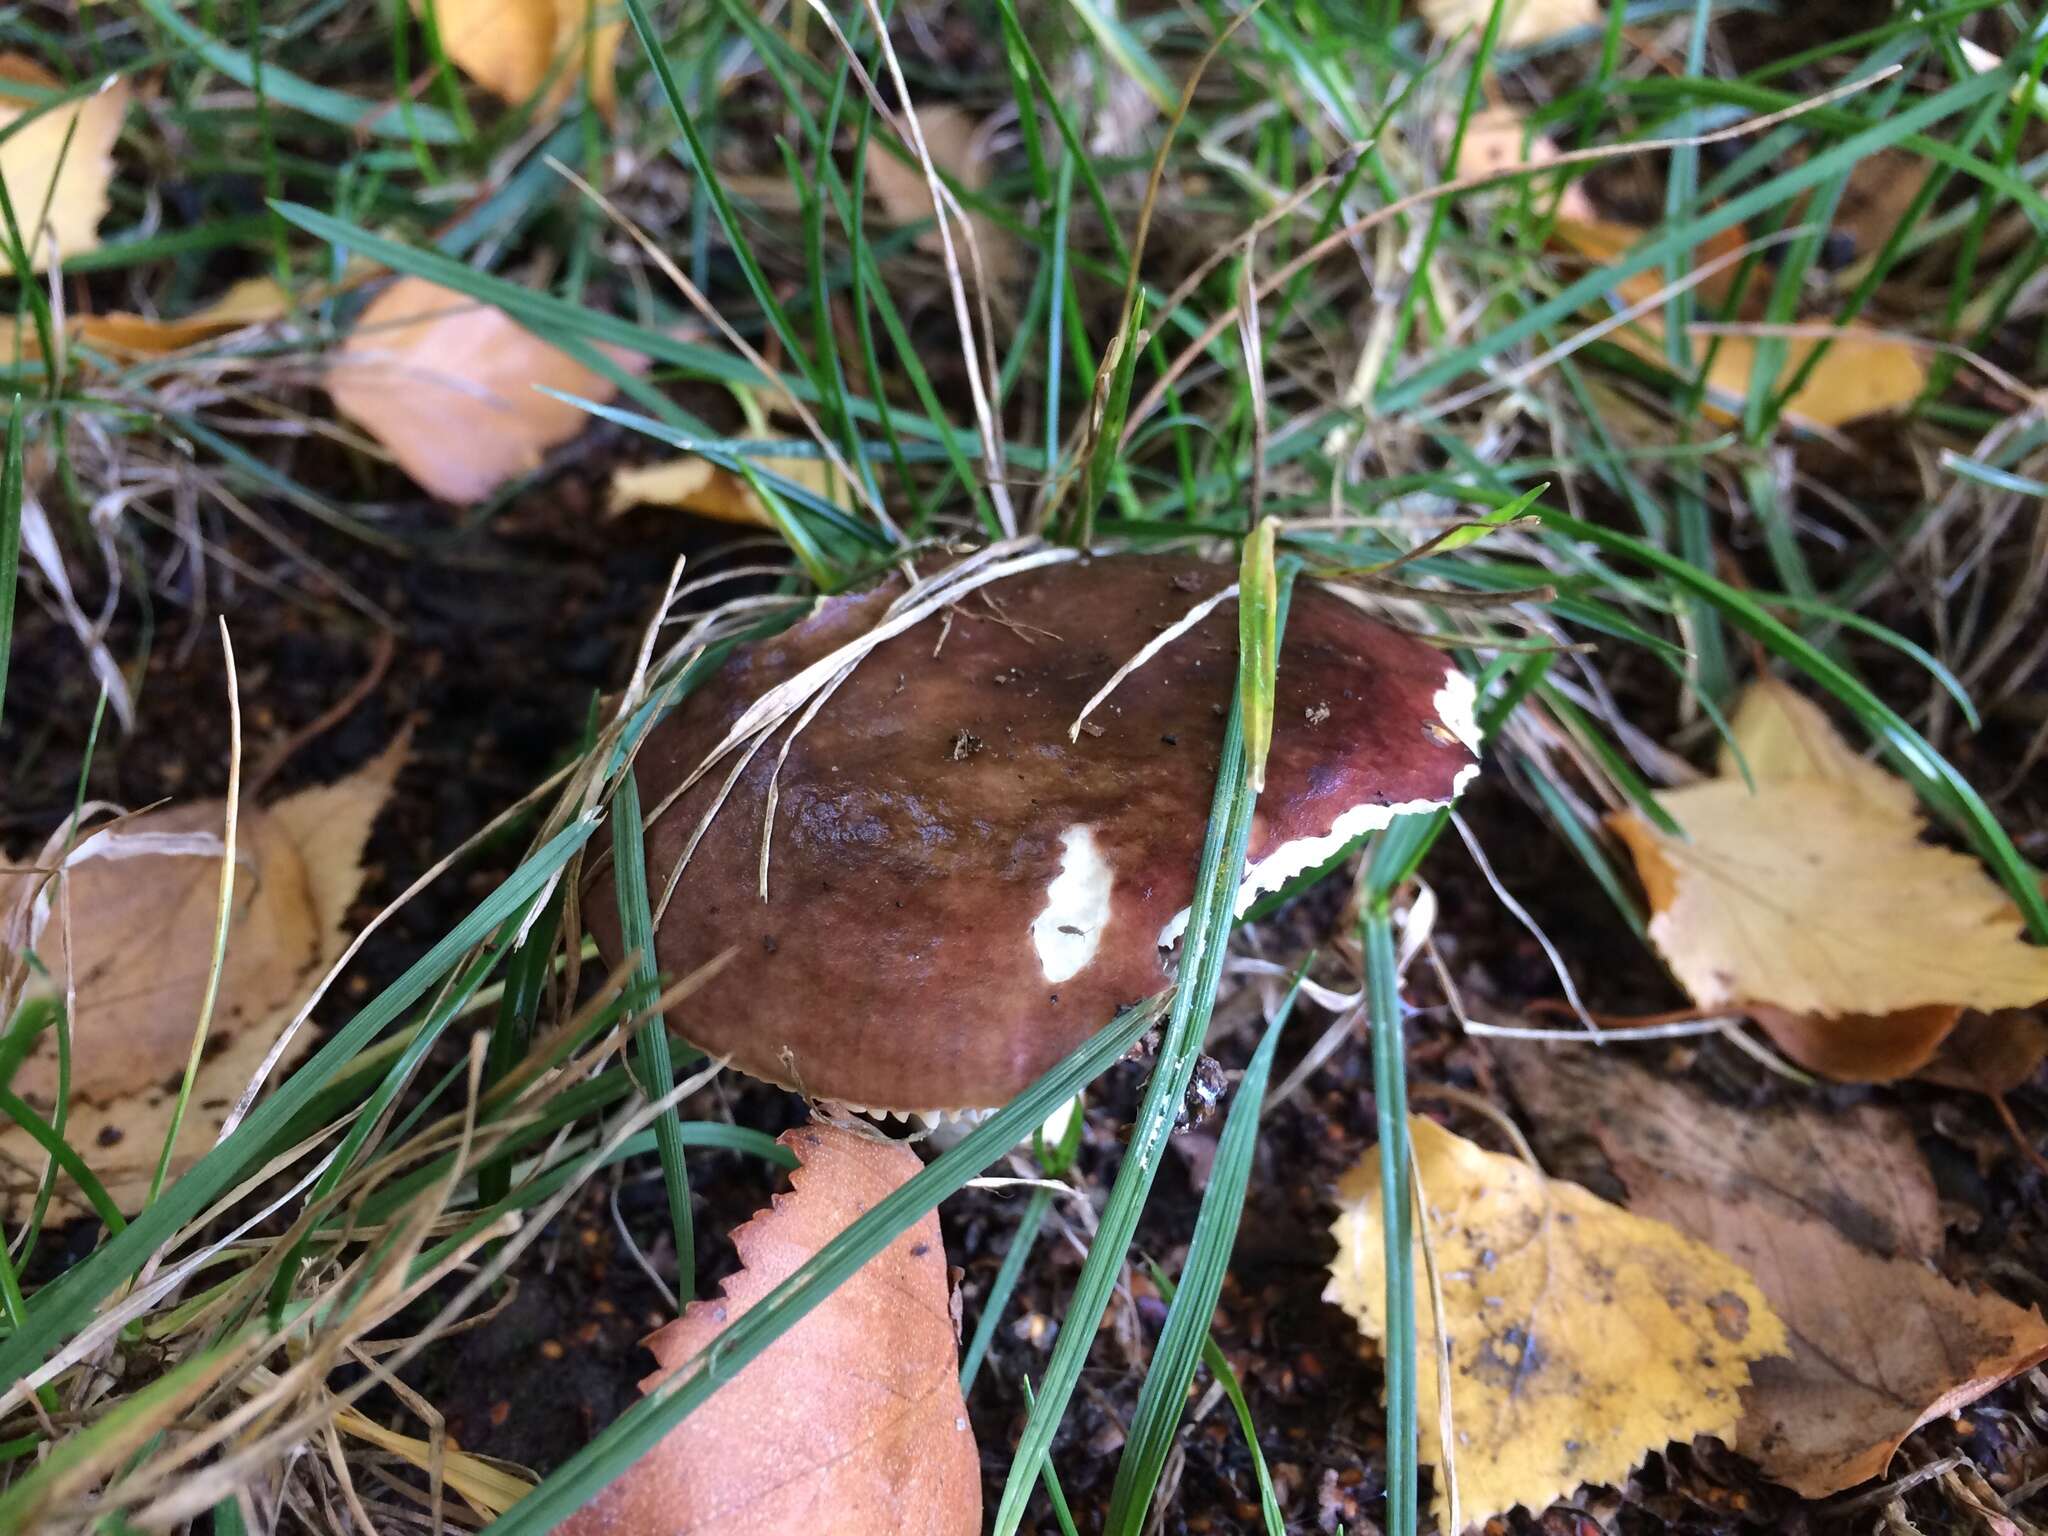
(1525, 21)
(694, 484)
(453, 389)
(137, 943)
(59, 167)
(1813, 904)
(1836, 1217)
(516, 49)
(853, 1419)
(1581, 1336)
(1863, 372)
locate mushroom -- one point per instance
(960, 893)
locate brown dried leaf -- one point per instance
(1582, 1336)
(58, 168)
(448, 385)
(1813, 905)
(514, 48)
(1836, 1217)
(853, 1419)
(143, 900)
(1526, 21)
(1990, 1052)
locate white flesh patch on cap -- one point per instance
(1067, 932)
(1456, 703)
(1304, 853)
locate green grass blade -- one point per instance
(1004, 1284)
(1163, 1397)
(1204, 947)
(1390, 1093)
(651, 1062)
(1258, 600)
(283, 89)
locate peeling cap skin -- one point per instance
(958, 894)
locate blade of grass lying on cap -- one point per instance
(1163, 1397)
(1204, 948)
(1936, 777)
(429, 125)
(644, 1423)
(57, 1310)
(1258, 596)
(651, 1063)
(10, 542)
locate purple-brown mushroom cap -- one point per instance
(959, 894)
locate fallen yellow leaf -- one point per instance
(1581, 1336)
(694, 484)
(1814, 905)
(251, 301)
(1525, 21)
(1836, 1216)
(1862, 373)
(852, 1420)
(1781, 735)
(448, 385)
(135, 933)
(515, 48)
(59, 167)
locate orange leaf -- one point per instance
(853, 1419)
(515, 49)
(448, 385)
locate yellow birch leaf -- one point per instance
(1783, 735)
(1526, 21)
(693, 484)
(1806, 896)
(1814, 906)
(516, 48)
(57, 168)
(1581, 1337)
(134, 933)
(448, 386)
